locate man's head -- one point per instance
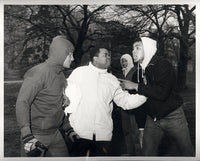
(100, 57)
(144, 49)
(126, 61)
(68, 60)
(138, 50)
(61, 51)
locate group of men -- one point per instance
(88, 95)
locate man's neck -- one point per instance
(97, 68)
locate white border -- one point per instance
(1, 81)
(125, 2)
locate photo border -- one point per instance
(119, 2)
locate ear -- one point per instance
(95, 58)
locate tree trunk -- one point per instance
(161, 48)
(182, 66)
(77, 55)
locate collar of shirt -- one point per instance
(98, 70)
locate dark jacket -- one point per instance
(160, 88)
(139, 113)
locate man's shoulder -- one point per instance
(37, 71)
(112, 78)
(160, 60)
(80, 69)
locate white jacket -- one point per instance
(91, 92)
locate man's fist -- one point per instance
(126, 84)
(66, 101)
(72, 135)
(32, 147)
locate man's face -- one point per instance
(124, 63)
(138, 52)
(103, 59)
(68, 60)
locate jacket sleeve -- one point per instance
(29, 89)
(73, 92)
(66, 124)
(128, 101)
(162, 83)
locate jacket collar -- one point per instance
(55, 67)
(98, 70)
(153, 60)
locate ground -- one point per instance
(12, 134)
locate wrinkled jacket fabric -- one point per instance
(39, 104)
(91, 114)
(160, 87)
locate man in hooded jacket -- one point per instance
(164, 105)
(39, 104)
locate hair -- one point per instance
(95, 51)
(137, 39)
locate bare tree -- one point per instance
(44, 22)
(186, 20)
(165, 22)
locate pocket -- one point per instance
(177, 117)
(176, 114)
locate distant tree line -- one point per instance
(29, 30)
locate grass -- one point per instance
(11, 129)
(12, 133)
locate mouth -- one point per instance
(134, 57)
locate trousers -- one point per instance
(175, 126)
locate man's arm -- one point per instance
(128, 101)
(27, 93)
(163, 83)
(69, 131)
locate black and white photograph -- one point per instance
(104, 81)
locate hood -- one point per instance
(130, 63)
(150, 48)
(59, 49)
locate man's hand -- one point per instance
(72, 135)
(66, 101)
(126, 84)
(32, 147)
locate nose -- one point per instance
(72, 57)
(108, 56)
(133, 53)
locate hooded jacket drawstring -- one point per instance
(138, 73)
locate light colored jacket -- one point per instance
(92, 112)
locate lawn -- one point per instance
(12, 134)
(11, 129)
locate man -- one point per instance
(92, 109)
(39, 108)
(164, 105)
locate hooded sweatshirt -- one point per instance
(161, 80)
(39, 103)
(130, 64)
